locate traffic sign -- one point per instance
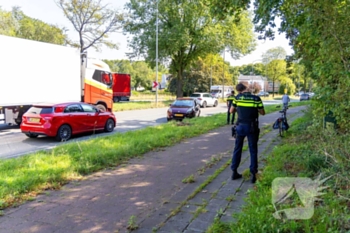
(155, 84)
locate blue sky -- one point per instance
(47, 11)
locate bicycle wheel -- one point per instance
(280, 128)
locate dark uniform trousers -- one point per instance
(228, 116)
(230, 99)
(251, 131)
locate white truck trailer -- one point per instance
(35, 72)
(220, 91)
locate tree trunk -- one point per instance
(179, 91)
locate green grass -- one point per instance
(124, 106)
(308, 151)
(22, 178)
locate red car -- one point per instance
(64, 120)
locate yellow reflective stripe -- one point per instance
(249, 104)
(246, 105)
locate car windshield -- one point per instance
(40, 110)
(188, 103)
(195, 95)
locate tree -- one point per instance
(276, 69)
(93, 21)
(8, 24)
(277, 53)
(296, 73)
(252, 69)
(187, 30)
(35, 29)
(286, 84)
(143, 75)
(16, 23)
(215, 71)
(318, 31)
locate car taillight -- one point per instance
(47, 119)
(200, 98)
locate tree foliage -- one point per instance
(277, 53)
(141, 74)
(252, 69)
(93, 21)
(8, 24)
(276, 70)
(318, 31)
(16, 23)
(187, 30)
(207, 71)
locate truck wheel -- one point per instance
(64, 133)
(101, 107)
(116, 99)
(109, 126)
(32, 135)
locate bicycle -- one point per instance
(282, 121)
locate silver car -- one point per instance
(205, 99)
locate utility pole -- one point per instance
(211, 77)
(157, 87)
(223, 77)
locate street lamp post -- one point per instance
(223, 77)
(211, 77)
(157, 56)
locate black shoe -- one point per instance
(228, 123)
(236, 175)
(252, 178)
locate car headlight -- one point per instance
(189, 110)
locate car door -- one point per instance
(210, 99)
(74, 116)
(92, 119)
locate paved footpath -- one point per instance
(147, 194)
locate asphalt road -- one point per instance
(13, 143)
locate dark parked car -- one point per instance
(304, 97)
(182, 108)
(64, 120)
(263, 94)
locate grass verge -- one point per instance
(309, 151)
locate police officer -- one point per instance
(248, 107)
(229, 101)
